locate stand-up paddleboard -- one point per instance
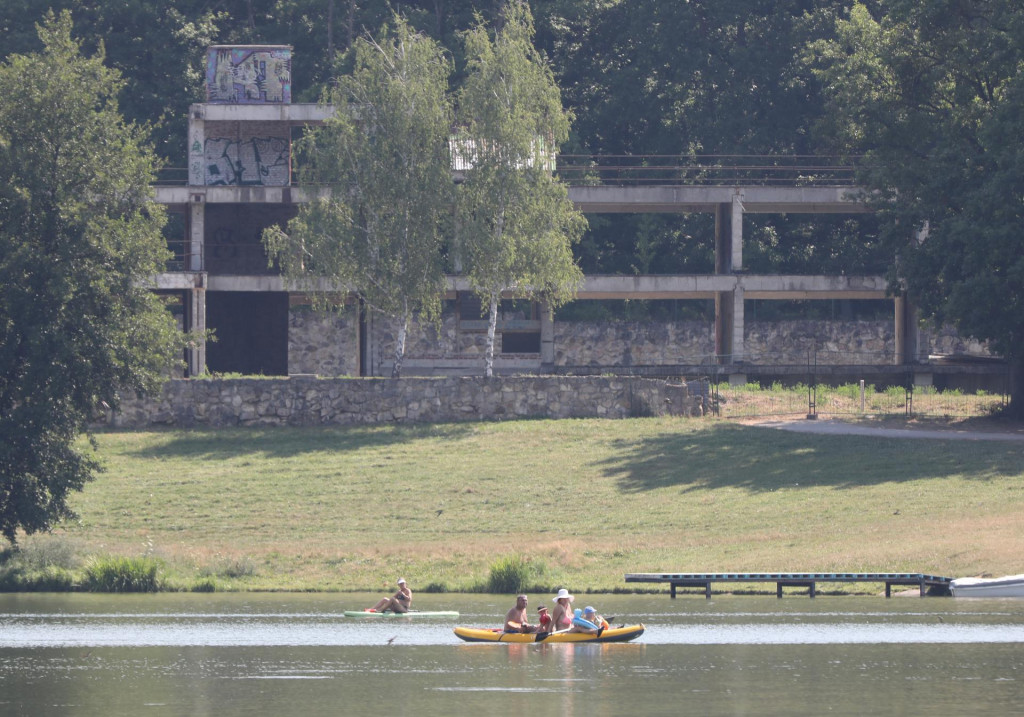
(411, 613)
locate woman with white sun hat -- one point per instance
(561, 616)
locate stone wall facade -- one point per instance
(323, 344)
(307, 401)
(328, 346)
(633, 343)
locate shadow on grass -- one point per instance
(283, 442)
(764, 460)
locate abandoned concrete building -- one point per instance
(240, 181)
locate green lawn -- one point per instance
(584, 500)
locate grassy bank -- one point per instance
(584, 501)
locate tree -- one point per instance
(515, 222)
(78, 238)
(933, 94)
(384, 153)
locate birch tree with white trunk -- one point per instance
(378, 232)
(515, 222)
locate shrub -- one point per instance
(510, 574)
(230, 568)
(50, 579)
(206, 585)
(40, 552)
(122, 575)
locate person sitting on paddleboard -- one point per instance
(561, 616)
(515, 619)
(589, 622)
(401, 601)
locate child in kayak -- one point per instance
(544, 619)
(589, 618)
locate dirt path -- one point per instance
(972, 430)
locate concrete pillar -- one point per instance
(196, 146)
(729, 259)
(195, 320)
(547, 339)
(736, 230)
(369, 363)
(899, 330)
(907, 332)
(196, 232)
(737, 324)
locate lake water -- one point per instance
(296, 654)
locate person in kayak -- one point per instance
(561, 616)
(590, 624)
(515, 619)
(544, 619)
(400, 602)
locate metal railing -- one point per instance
(707, 170)
(849, 401)
(674, 169)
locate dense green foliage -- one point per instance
(77, 234)
(933, 94)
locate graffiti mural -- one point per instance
(258, 74)
(261, 161)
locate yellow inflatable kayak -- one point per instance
(612, 634)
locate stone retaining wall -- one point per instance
(307, 401)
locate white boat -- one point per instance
(1006, 586)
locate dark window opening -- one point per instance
(520, 342)
(251, 331)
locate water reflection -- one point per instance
(248, 655)
(30, 630)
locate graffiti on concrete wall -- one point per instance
(249, 75)
(253, 161)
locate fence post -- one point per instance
(862, 395)
(812, 387)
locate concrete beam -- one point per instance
(655, 287)
(599, 286)
(236, 195)
(685, 199)
(813, 287)
(296, 114)
(176, 281)
(592, 200)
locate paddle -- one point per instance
(542, 636)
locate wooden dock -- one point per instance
(783, 580)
